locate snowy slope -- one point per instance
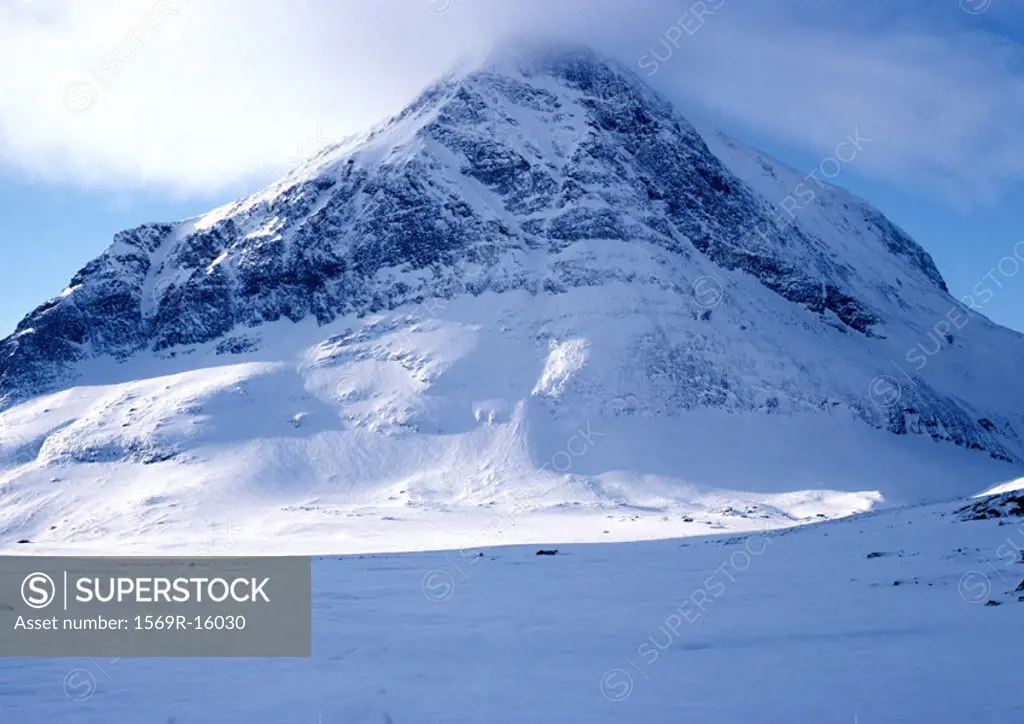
(878, 618)
(536, 289)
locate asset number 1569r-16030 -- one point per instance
(189, 623)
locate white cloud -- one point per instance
(197, 96)
(941, 110)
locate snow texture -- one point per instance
(537, 287)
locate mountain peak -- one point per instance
(516, 72)
(575, 65)
(526, 53)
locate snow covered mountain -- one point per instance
(536, 286)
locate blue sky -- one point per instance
(145, 112)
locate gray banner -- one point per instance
(162, 607)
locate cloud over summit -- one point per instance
(194, 97)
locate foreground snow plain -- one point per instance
(879, 617)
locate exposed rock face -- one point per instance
(546, 173)
(1004, 505)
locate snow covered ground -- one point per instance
(875, 618)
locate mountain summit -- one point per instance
(537, 277)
